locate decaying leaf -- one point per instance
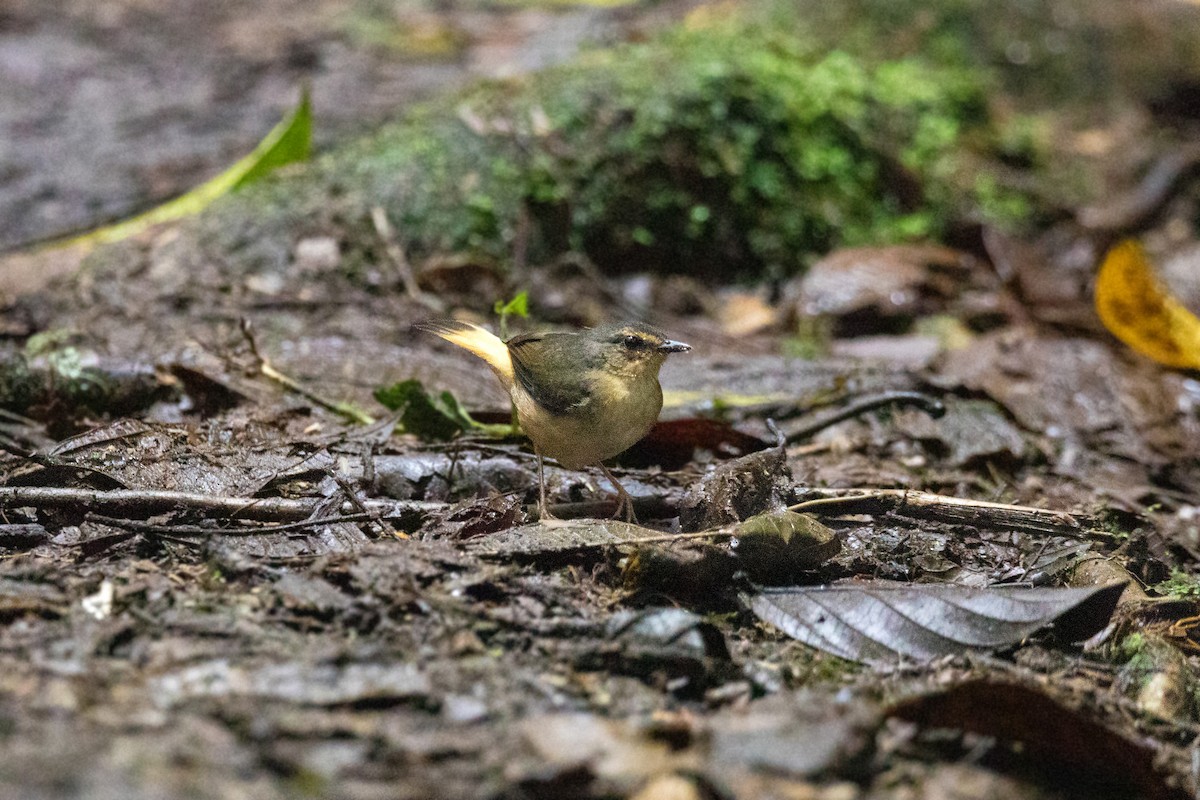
(1032, 731)
(769, 549)
(560, 747)
(661, 643)
(898, 279)
(1135, 306)
(312, 684)
(802, 734)
(561, 539)
(737, 490)
(879, 622)
(669, 627)
(776, 546)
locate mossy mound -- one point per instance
(728, 149)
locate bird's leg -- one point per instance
(543, 511)
(624, 501)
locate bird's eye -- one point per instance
(634, 342)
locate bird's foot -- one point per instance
(624, 500)
(625, 507)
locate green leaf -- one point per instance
(289, 141)
(430, 417)
(517, 307)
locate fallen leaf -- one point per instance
(891, 280)
(1035, 732)
(803, 734)
(667, 646)
(1137, 308)
(671, 787)
(774, 548)
(607, 749)
(737, 490)
(566, 537)
(663, 631)
(880, 622)
(777, 545)
(294, 682)
(1123, 211)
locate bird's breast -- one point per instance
(618, 413)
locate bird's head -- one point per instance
(632, 348)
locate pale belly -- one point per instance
(596, 434)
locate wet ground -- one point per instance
(108, 108)
(214, 585)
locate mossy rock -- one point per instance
(730, 150)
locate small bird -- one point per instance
(580, 397)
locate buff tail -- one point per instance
(479, 341)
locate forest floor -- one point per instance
(212, 584)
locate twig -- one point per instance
(342, 409)
(152, 529)
(396, 255)
(149, 502)
(13, 448)
(924, 505)
(930, 405)
(356, 501)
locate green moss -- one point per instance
(737, 149)
(1137, 658)
(1179, 585)
(806, 666)
(1131, 646)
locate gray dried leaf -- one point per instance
(880, 622)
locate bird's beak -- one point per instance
(671, 346)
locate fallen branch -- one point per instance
(148, 502)
(924, 505)
(396, 255)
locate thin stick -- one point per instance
(396, 255)
(342, 409)
(930, 405)
(148, 502)
(149, 528)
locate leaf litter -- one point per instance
(477, 617)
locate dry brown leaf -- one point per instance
(1135, 306)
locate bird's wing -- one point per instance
(550, 367)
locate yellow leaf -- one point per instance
(1136, 308)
